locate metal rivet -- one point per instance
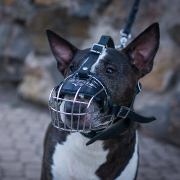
(81, 95)
(85, 68)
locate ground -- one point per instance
(22, 129)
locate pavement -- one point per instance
(22, 129)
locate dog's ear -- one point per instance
(62, 50)
(142, 50)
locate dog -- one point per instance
(66, 157)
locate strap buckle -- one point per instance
(97, 48)
(123, 112)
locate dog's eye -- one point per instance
(110, 70)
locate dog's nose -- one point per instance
(76, 108)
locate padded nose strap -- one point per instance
(96, 50)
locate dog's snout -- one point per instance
(79, 113)
(68, 107)
(75, 108)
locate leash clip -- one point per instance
(123, 34)
(124, 38)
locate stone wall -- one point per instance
(25, 56)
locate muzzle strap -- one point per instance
(96, 50)
(125, 116)
(106, 41)
(125, 112)
(112, 132)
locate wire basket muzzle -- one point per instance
(79, 105)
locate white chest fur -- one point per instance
(73, 160)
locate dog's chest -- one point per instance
(72, 160)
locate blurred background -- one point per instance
(28, 69)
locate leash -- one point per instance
(125, 33)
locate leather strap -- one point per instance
(117, 129)
(125, 118)
(106, 41)
(85, 69)
(96, 50)
(125, 112)
(107, 134)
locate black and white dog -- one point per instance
(66, 157)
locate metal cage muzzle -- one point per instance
(80, 104)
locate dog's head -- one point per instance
(118, 71)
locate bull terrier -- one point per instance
(114, 157)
